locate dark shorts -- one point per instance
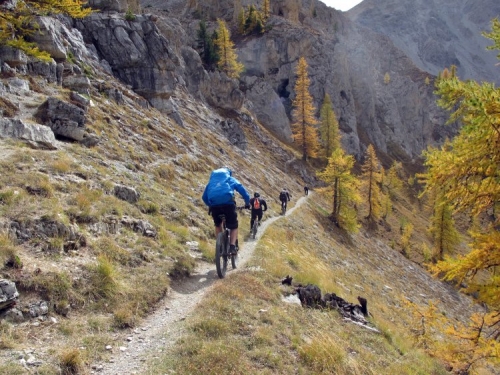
(229, 211)
(256, 214)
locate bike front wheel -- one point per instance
(221, 246)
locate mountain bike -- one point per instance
(255, 227)
(222, 249)
(283, 208)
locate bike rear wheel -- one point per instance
(255, 228)
(234, 258)
(221, 250)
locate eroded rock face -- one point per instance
(116, 5)
(65, 119)
(436, 34)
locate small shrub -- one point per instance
(129, 16)
(182, 267)
(8, 253)
(190, 163)
(323, 355)
(108, 248)
(62, 165)
(165, 172)
(53, 286)
(124, 318)
(86, 198)
(104, 282)
(70, 57)
(56, 245)
(8, 336)
(71, 362)
(7, 197)
(212, 328)
(41, 186)
(148, 207)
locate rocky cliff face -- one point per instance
(437, 34)
(379, 95)
(346, 61)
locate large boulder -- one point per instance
(38, 136)
(8, 293)
(65, 119)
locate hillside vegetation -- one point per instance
(95, 233)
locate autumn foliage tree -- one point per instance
(372, 177)
(329, 127)
(442, 227)
(303, 120)
(343, 187)
(467, 169)
(266, 9)
(228, 59)
(17, 23)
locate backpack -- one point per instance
(219, 191)
(282, 196)
(256, 203)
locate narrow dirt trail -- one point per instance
(161, 329)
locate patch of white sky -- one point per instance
(343, 5)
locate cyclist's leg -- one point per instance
(217, 220)
(259, 217)
(232, 224)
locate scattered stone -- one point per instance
(126, 193)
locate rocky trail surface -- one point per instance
(159, 331)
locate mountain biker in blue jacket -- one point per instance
(219, 197)
(258, 205)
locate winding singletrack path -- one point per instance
(164, 326)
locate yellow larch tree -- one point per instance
(329, 127)
(228, 59)
(266, 9)
(303, 120)
(467, 170)
(371, 179)
(343, 187)
(17, 23)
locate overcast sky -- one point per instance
(341, 4)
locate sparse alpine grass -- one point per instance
(245, 313)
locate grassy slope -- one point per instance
(114, 279)
(245, 326)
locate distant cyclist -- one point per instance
(258, 206)
(306, 190)
(219, 197)
(284, 198)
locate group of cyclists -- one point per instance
(219, 197)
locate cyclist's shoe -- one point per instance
(233, 250)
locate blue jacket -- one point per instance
(220, 189)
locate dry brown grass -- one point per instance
(245, 311)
